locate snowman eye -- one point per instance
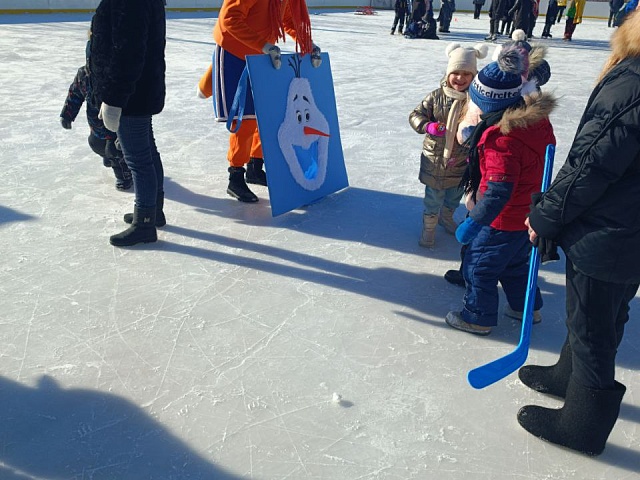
(306, 115)
(298, 116)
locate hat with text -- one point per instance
(499, 84)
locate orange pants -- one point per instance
(244, 144)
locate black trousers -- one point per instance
(476, 10)
(597, 312)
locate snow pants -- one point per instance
(597, 312)
(493, 257)
(245, 143)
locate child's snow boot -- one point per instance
(255, 173)
(582, 424)
(121, 171)
(161, 221)
(142, 229)
(552, 380)
(238, 188)
(446, 220)
(428, 236)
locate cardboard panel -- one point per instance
(298, 123)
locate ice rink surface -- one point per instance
(306, 346)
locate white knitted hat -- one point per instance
(464, 58)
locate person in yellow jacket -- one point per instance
(574, 17)
(249, 27)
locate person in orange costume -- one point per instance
(249, 27)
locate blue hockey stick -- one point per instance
(491, 372)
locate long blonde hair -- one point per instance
(625, 43)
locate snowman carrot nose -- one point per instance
(313, 131)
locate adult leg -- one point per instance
(596, 314)
(143, 159)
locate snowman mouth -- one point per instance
(308, 159)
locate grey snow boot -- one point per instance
(582, 424)
(142, 229)
(238, 188)
(161, 221)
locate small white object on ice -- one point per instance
(336, 397)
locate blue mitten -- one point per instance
(467, 231)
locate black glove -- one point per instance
(111, 151)
(66, 124)
(548, 248)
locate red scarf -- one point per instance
(301, 22)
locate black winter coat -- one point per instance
(592, 207)
(127, 55)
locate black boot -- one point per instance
(142, 229)
(552, 380)
(161, 221)
(124, 180)
(454, 277)
(238, 188)
(255, 174)
(583, 423)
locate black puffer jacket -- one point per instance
(592, 207)
(127, 55)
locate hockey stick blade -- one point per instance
(491, 372)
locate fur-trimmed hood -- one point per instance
(537, 106)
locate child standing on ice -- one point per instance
(101, 140)
(506, 161)
(443, 159)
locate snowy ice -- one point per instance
(213, 353)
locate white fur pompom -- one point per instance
(518, 35)
(481, 50)
(451, 47)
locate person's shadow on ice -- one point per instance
(56, 433)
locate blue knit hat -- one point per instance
(499, 84)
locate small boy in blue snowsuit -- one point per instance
(101, 140)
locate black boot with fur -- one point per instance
(552, 380)
(161, 221)
(142, 229)
(238, 188)
(582, 424)
(255, 173)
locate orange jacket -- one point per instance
(244, 26)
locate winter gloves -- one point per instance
(66, 124)
(548, 248)
(110, 116)
(316, 59)
(274, 52)
(467, 231)
(436, 129)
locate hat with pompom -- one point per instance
(499, 84)
(464, 58)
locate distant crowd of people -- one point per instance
(505, 16)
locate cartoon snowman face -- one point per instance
(303, 136)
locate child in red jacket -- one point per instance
(506, 162)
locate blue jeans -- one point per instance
(434, 199)
(142, 158)
(496, 256)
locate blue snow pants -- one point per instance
(496, 256)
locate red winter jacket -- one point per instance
(513, 151)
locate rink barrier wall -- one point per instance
(593, 8)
